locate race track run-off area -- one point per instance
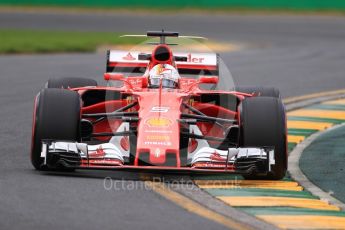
(285, 203)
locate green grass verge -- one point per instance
(38, 41)
(30, 41)
(310, 5)
(77, 9)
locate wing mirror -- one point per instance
(113, 76)
(208, 80)
(117, 77)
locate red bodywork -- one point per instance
(159, 111)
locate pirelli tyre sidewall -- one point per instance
(57, 117)
(263, 124)
(260, 91)
(70, 82)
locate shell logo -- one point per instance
(158, 122)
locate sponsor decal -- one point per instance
(217, 157)
(158, 131)
(135, 82)
(159, 109)
(157, 152)
(192, 59)
(157, 138)
(191, 102)
(213, 165)
(129, 57)
(158, 122)
(98, 153)
(187, 82)
(105, 162)
(160, 143)
(129, 99)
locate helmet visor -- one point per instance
(166, 83)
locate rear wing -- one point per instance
(187, 63)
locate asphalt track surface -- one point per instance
(299, 55)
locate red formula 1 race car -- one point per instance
(160, 118)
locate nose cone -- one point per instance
(158, 140)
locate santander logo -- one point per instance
(192, 59)
(98, 153)
(129, 57)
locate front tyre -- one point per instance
(263, 124)
(57, 117)
(70, 82)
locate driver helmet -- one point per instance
(165, 72)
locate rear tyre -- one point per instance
(70, 82)
(56, 116)
(260, 91)
(263, 124)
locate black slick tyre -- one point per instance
(263, 124)
(70, 82)
(57, 117)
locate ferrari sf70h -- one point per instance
(160, 119)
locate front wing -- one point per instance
(72, 155)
